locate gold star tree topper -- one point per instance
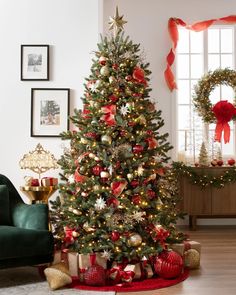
(116, 23)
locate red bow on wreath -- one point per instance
(224, 111)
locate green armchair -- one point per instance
(24, 235)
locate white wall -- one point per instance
(71, 28)
(147, 25)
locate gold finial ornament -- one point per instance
(116, 22)
(39, 160)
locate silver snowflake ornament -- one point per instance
(71, 179)
(125, 109)
(100, 204)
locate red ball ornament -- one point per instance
(136, 199)
(136, 94)
(134, 183)
(115, 235)
(97, 170)
(131, 123)
(113, 202)
(123, 133)
(102, 60)
(196, 164)
(115, 66)
(231, 162)
(117, 165)
(95, 275)
(128, 78)
(151, 194)
(149, 132)
(92, 135)
(113, 98)
(138, 148)
(168, 265)
(220, 162)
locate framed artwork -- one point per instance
(49, 111)
(34, 62)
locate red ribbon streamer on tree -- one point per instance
(173, 24)
(224, 111)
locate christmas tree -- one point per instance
(118, 195)
(203, 155)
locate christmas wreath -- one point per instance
(223, 111)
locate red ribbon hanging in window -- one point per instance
(173, 24)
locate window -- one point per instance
(197, 53)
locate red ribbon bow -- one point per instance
(109, 114)
(117, 187)
(224, 111)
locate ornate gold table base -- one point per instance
(38, 194)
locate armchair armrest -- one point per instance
(33, 216)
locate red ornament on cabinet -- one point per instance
(231, 162)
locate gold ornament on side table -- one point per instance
(39, 161)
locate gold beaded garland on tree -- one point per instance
(205, 86)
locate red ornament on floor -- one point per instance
(168, 265)
(95, 275)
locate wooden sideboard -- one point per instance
(209, 201)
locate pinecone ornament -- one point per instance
(95, 275)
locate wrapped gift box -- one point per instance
(60, 256)
(73, 263)
(186, 245)
(49, 181)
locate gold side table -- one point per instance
(39, 194)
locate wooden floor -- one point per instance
(217, 275)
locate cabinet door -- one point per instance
(196, 201)
(224, 200)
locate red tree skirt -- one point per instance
(149, 284)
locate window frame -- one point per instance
(174, 96)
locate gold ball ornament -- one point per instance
(104, 174)
(112, 79)
(91, 156)
(130, 176)
(75, 234)
(97, 187)
(135, 240)
(106, 139)
(104, 71)
(88, 228)
(83, 140)
(76, 212)
(192, 259)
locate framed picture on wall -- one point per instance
(34, 62)
(49, 111)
